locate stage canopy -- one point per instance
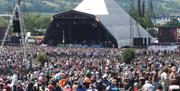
(115, 19)
(78, 28)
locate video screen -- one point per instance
(168, 35)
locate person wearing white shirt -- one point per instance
(14, 82)
(164, 79)
(147, 86)
(178, 70)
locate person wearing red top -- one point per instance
(135, 86)
(50, 87)
(7, 87)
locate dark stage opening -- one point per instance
(79, 31)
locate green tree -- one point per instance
(36, 23)
(3, 22)
(42, 58)
(128, 55)
(145, 21)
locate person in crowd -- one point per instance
(14, 81)
(92, 69)
(113, 86)
(147, 86)
(164, 79)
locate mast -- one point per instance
(131, 11)
(22, 29)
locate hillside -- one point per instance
(52, 6)
(161, 7)
(38, 12)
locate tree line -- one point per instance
(37, 23)
(39, 5)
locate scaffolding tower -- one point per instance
(17, 15)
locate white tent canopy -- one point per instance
(114, 18)
(94, 7)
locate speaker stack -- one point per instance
(16, 26)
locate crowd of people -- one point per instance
(87, 69)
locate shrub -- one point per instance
(42, 58)
(128, 55)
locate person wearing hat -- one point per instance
(105, 80)
(135, 86)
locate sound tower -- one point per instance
(16, 26)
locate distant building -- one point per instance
(164, 19)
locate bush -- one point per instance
(128, 55)
(42, 58)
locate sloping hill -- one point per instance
(40, 5)
(161, 7)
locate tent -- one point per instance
(116, 20)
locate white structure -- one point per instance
(115, 19)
